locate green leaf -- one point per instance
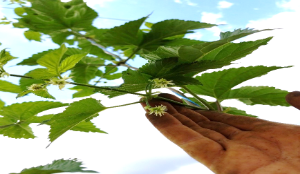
(41, 119)
(87, 46)
(19, 11)
(87, 126)
(49, 16)
(264, 95)
(52, 60)
(43, 93)
(33, 35)
(108, 73)
(217, 84)
(82, 91)
(25, 83)
(238, 33)
(235, 111)
(70, 62)
(222, 50)
(40, 73)
(57, 166)
(135, 77)
(182, 42)
(23, 93)
(1, 104)
(126, 34)
(17, 117)
(6, 86)
(60, 37)
(26, 110)
(5, 57)
(170, 70)
(162, 52)
(73, 115)
(85, 70)
(18, 130)
(168, 28)
(33, 59)
(112, 76)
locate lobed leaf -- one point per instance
(52, 60)
(49, 16)
(18, 130)
(17, 117)
(235, 111)
(73, 115)
(217, 84)
(222, 50)
(5, 57)
(82, 91)
(264, 95)
(70, 62)
(168, 28)
(2, 104)
(127, 34)
(85, 70)
(239, 33)
(39, 73)
(32, 35)
(87, 126)
(57, 166)
(6, 86)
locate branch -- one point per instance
(96, 43)
(220, 108)
(202, 101)
(114, 89)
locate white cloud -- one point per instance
(224, 4)
(178, 1)
(188, 2)
(289, 5)
(196, 36)
(213, 18)
(282, 50)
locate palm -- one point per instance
(230, 144)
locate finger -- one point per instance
(224, 129)
(239, 122)
(196, 145)
(293, 98)
(187, 117)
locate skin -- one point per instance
(229, 144)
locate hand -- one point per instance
(229, 144)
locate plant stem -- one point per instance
(118, 90)
(219, 107)
(123, 105)
(179, 103)
(129, 57)
(96, 43)
(91, 86)
(203, 102)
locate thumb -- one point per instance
(293, 98)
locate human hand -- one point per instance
(229, 144)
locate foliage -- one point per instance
(57, 166)
(83, 52)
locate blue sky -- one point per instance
(136, 147)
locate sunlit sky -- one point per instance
(133, 146)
